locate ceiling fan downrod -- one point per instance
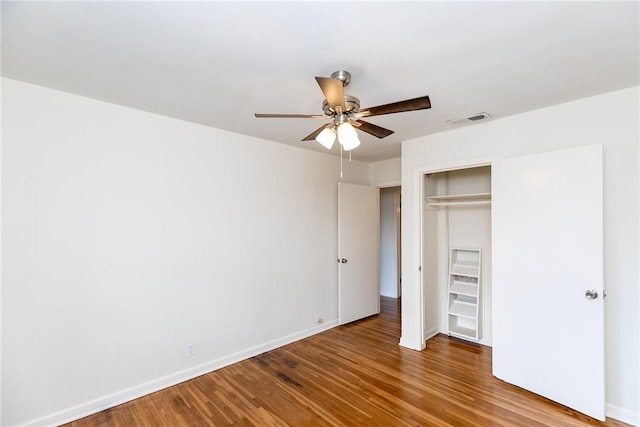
(343, 76)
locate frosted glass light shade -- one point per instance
(348, 137)
(327, 137)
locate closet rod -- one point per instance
(473, 203)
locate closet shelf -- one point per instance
(464, 293)
(464, 288)
(462, 332)
(475, 199)
(472, 203)
(464, 309)
(461, 196)
(461, 268)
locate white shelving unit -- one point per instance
(464, 293)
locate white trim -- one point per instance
(418, 208)
(397, 207)
(430, 333)
(411, 344)
(420, 228)
(458, 164)
(387, 184)
(417, 225)
(1, 80)
(96, 405)
(621, 414)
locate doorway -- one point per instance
(390, 247)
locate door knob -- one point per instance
(342, 260)
(591, 294)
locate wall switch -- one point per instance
(191, 350)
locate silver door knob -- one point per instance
(591, 294)
(342, 260)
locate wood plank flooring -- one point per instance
(352, 375)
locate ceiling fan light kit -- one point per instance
(347, 136)
(345, 114)
(327, 137)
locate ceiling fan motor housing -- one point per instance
(351, 102)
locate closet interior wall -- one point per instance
(455, 223)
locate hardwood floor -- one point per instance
(352, 375)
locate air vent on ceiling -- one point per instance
(471, 119)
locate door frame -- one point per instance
(397, 205)
(418, 250)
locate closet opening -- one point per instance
(456, 252)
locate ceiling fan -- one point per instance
(345, 113)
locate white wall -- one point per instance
(127, 236)
(386, 173)
(610, 119)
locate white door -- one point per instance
(358, 251)
(548, 323)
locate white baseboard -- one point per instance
(413, 345)
(431, 333)
(123, 396)
(621, 414)
(120, 397)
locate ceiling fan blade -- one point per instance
(313, 134)
(372, 129)
(291, 116)
(333, 91)
(421, 103)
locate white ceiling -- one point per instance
(216, 63)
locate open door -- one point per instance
(548, 308)
(358, 252)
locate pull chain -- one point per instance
(340, 160)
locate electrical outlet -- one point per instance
(191, 349)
